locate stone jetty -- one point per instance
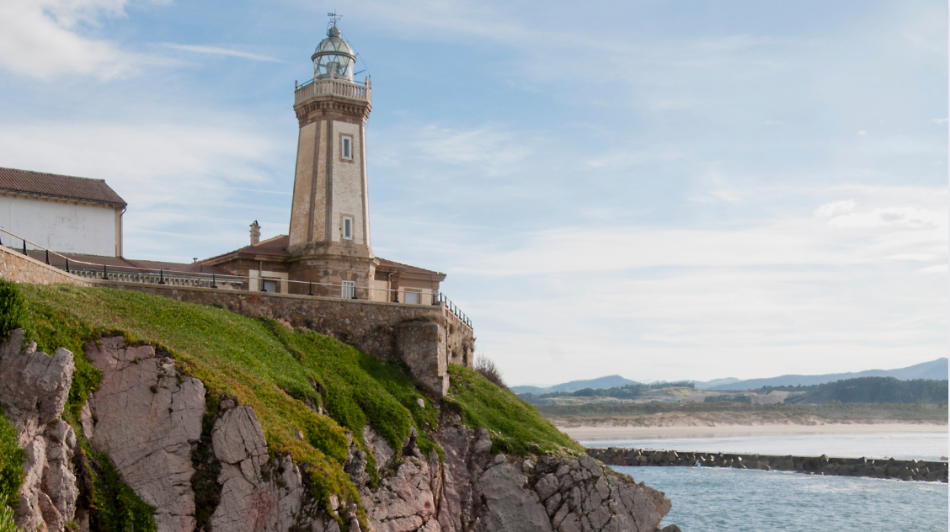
(819, 465)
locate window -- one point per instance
(348, 227)
(349, 290)
(412, 298)
(346, 147)
(270, 286)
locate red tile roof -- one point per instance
(58, 186)
(277, 246)
(405, 267)
(120, 264)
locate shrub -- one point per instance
(6, 517)
(11, 462)
(12, 308)
(486, 368)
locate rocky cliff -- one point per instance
(204, 468)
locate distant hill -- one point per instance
(873, 390)
(935, 369)
(612, 381)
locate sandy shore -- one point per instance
(590, 432)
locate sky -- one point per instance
(660, 189)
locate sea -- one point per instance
(738, 500)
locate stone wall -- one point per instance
(372, 326)
(19, 268)
(818, 465)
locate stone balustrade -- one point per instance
(333, 87)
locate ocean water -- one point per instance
(712, 499)
(905, 446)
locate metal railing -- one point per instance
(258, 283)
(450, 306)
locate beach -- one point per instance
(601, 432)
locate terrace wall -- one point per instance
(378, 328)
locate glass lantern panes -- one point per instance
(334, 58)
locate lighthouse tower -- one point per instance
(329, 220)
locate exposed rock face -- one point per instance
(255, 495)
(34, 387)
(503, 493)
(148, 419)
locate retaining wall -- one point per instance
(19, 268)
(819, 465)
(372, 326)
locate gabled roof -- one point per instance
(59, 186)
(121, 264)
(276, 246)
(389, 264)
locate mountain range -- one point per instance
(935, 369)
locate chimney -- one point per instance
(255, 233)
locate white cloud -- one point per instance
(829, 209)
(920, 257)
(939, 120)
(43, 39)
(486, 150)
(214, 50)
(939, 268)
(146, 163)
(862, 133)
(909, 217)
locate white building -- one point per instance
(61, 213)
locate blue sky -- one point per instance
(658, 189)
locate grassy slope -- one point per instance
(278, 372)
(516, 427)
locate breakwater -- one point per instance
(920, 470)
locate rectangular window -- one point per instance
(346, 147)
(412, 298)
(349, 290)
(270, 286)
(348, 227)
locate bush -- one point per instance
(6, 517)
(11, 462)
(12, 308)
(486, 368)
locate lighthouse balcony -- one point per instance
(333, 87)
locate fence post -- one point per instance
(105, 273)
(311, 289)
(24, 248)
(213, 284)
(47, 256)
(161, 276)
(67, 264)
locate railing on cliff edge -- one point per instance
(161, 276)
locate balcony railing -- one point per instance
(226, 281)
(333, 87)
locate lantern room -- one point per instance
(334, 57)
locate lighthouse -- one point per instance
(329, 219)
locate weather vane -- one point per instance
(334, 17)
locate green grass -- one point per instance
(276, 371)
(284, 375)
(11, 462)
(515, 426)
